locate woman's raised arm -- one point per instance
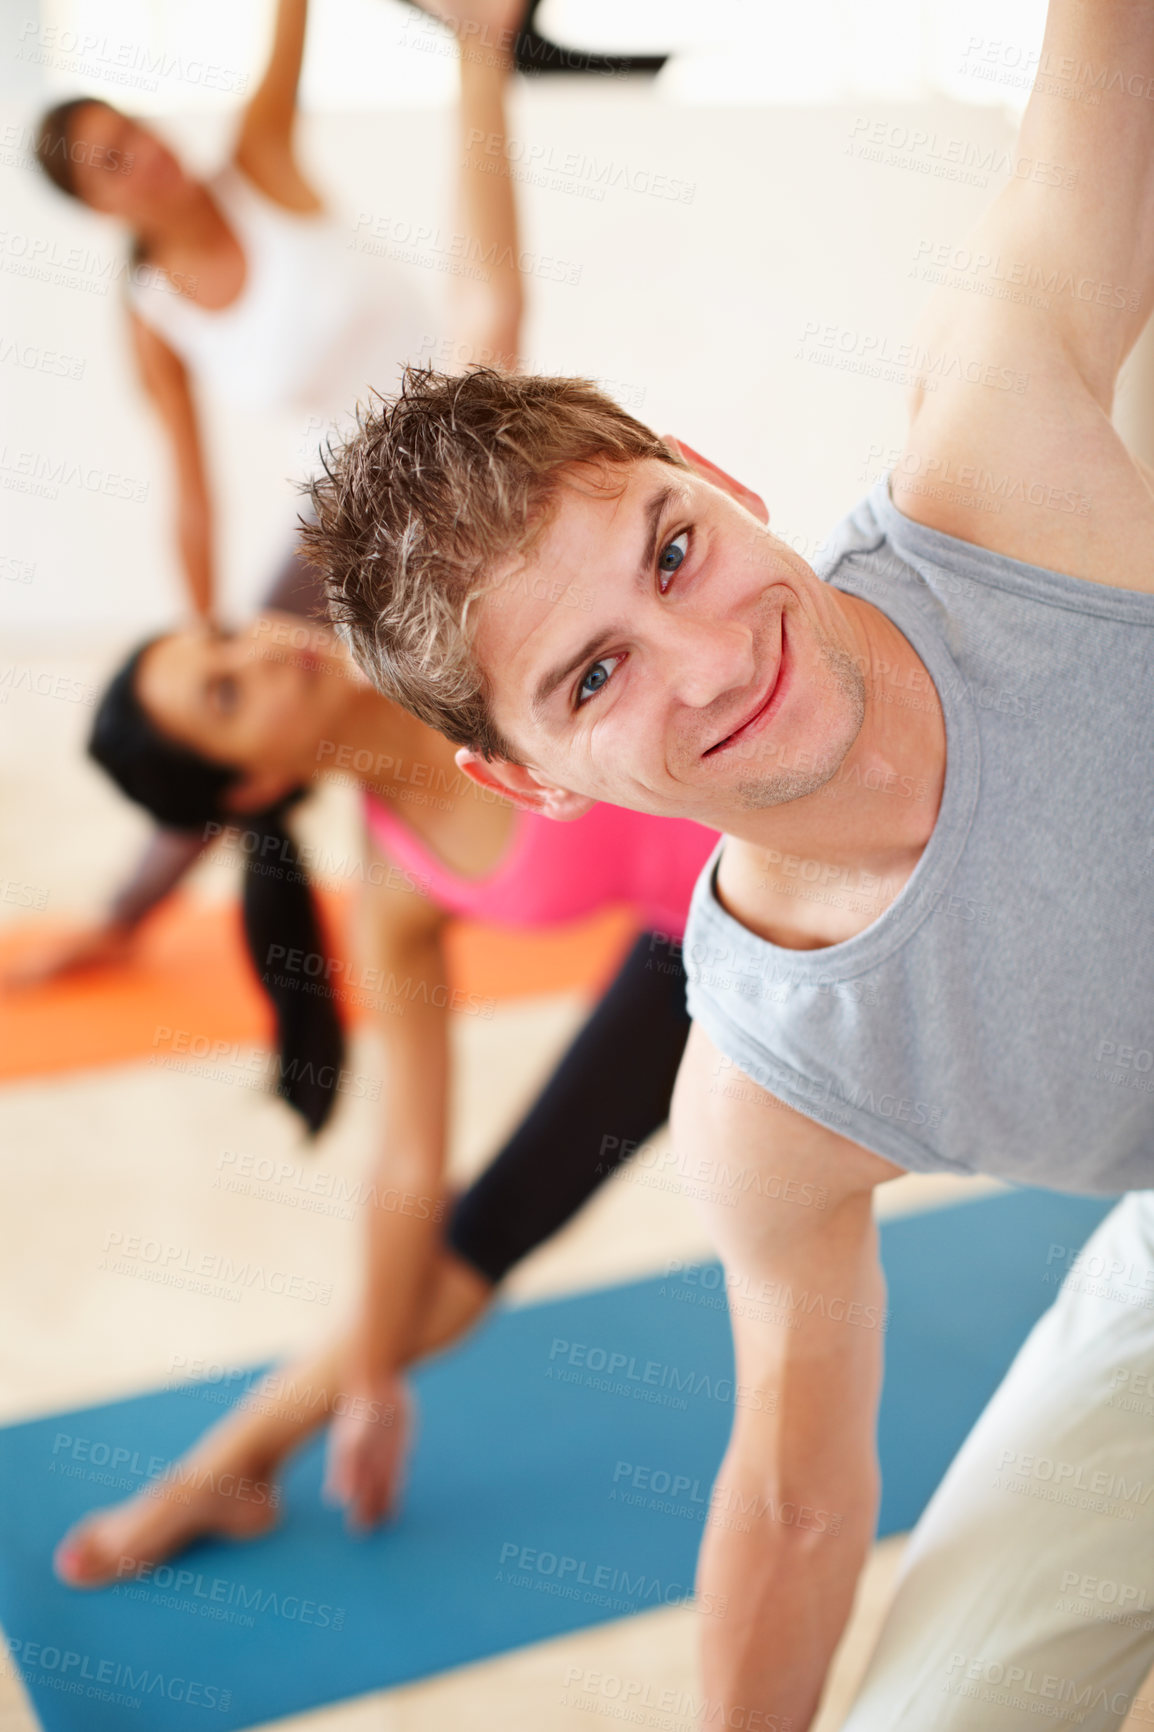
(266, 145)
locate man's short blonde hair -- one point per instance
(437, 489)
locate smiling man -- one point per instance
(925, 942)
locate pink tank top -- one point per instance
(552, 872)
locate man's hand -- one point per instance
(368, 1445)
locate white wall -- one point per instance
(698, 308)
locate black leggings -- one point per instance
(609, 1092)
(533, 52)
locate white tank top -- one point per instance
(314, 326)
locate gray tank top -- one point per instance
(999, 1016)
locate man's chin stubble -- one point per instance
(756, 793)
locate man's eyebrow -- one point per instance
(548, 683)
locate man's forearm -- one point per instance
(776, 1581)
(1090, 118)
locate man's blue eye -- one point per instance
(597, 676)
(674, 553)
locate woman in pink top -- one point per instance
(207, 731)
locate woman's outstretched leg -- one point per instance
(227, 1483)
(610, 1091)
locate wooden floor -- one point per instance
(133, 1148)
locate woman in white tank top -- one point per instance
(244, 285)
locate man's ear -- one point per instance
(729, 484)
(522, 787)
(260, 788)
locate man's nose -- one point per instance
(705, 658)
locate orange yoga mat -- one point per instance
(189, 973)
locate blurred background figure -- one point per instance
(242, 283)
(231, 730)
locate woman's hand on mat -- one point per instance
(70, 953)
(368, 1446)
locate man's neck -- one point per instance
(817, 870)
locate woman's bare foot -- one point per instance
(223, 1485)
(204, 1493)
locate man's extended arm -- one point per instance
(1057, 286)
(795, 1503)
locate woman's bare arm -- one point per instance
(487, 310)
(167, 383)
(406, 984)
(266, 145)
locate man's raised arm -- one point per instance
(1010, 444)
(1088, 240)
(794, 1506)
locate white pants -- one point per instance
(1027, 1594)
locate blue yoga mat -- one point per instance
(561, 1478)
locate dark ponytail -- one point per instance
(184, 791)
(54, 151)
